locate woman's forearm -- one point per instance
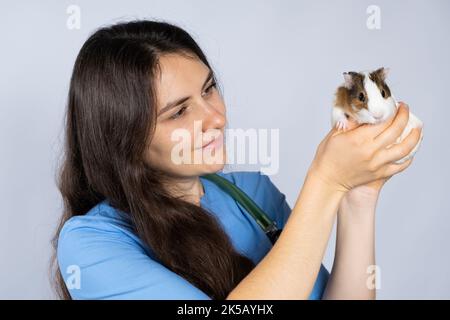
(355, 252)
(290, 269)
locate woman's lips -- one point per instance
(216, 143)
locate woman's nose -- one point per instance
(214, 117)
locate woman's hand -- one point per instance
(368, 193)
(364, 155)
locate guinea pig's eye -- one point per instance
(383, 93)
(361, 97)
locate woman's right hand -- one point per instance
(366, 153)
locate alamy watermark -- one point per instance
(373, 21)
(250, 146)
(374, 280)
(74, 19)
(73, 279)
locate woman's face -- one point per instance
(191, 113)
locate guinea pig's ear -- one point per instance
(348, 80)
(383, 72)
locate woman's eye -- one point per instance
(361, 97)
(183, 108)
(383, 93)
(213, 85)
(179, 113)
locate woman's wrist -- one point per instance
(357, 210)
(318, 193)
(362, 196)
(317, 178)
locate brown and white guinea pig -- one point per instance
(366, 98)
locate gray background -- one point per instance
(279, 63)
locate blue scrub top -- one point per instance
(100, 250)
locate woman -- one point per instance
(140, 225)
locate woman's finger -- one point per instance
(391, 133)
(394, 168)
(400, 150)
(372, 131)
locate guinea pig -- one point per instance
(366, 98)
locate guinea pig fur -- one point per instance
(366, 98)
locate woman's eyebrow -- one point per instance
(175, 103)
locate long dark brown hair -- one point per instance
(110, 119)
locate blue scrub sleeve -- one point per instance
(114, 267)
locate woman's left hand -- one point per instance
(366, 194)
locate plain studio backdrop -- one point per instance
(279, 63)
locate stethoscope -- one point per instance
(269, 227)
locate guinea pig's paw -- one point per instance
(342, 124)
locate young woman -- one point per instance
(138, 225)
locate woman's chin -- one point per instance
(212, 168)
(213, 162)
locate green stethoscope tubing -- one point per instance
(268, 226)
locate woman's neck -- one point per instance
(191, 189)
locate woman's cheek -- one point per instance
(180, 138)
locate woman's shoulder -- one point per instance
(102, 225)
(100, 218)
